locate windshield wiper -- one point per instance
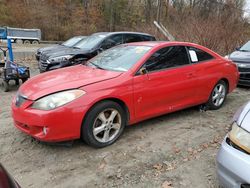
(244, 50)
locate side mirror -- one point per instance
(237, 48)
(143, 71)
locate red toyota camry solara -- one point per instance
(123, 85)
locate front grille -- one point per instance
(245, 186)
(244, 68)
(43, 57)
(43, 65)
(245, 76)
(20, 100)
(229, 142)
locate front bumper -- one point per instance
(45, 66)
(37, 55)
(233, 166)
(244, 79)
(61, 124)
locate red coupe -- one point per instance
(121, 86)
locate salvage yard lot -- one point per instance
(179, 148)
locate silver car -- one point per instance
(233, 159)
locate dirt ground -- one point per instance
(178, 149)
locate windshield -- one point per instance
(72, 41)
(90, 42)
(246, 47)
(120, 58)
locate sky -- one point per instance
(247, 8)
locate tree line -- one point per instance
(217, 24)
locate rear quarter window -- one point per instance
(198, 55)
(132, 38)
(147, 38)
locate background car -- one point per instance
(123, 85)
(68, 43)
(89, 48)
(6, 181)
(233, 159)
(242, 59)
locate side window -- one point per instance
(168, 57)
(112, 41)
(132, 38)
(198, 55)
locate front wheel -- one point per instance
(19, 41)
(103, 124)
(218, 95)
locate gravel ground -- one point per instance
(177, 149)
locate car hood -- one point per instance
(64, 79)
(65, 51)
(243, 116)
(240, 56)
(48, 48)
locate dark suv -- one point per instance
(241, 57)
(68, 43)
(89, 48)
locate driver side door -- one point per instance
(168, 83)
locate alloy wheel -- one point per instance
(219, 94)
(107, 125)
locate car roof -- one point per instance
(156, 44)
(160, 43)
(121, 32)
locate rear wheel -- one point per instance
(26, 42)
(5, 86)
(218, 95)
(35, 42)
(103, 124)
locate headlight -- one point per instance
(242, 65)
(227, 56)
(56, 100)
(240, 137)
(60, 58)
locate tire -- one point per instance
(26, 42)
(35, 42)
(218, 95)
(5, 86)
(19, 41)
(103, 124)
